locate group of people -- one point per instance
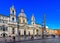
(32, 37)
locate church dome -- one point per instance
(22, 14)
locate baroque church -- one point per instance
(14, 26)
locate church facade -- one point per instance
(13, 26)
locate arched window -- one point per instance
(4, 34)
(13, 19)
(13, 12)
(3, 28)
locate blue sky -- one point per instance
(37, 7)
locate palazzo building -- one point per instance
(8, 25)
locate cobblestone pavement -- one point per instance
(51, 40)
(28, 40)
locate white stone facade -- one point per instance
(10, 26)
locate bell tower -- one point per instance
(33, 20)
(12, 14)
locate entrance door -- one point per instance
(4, 34)
(24, 32)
